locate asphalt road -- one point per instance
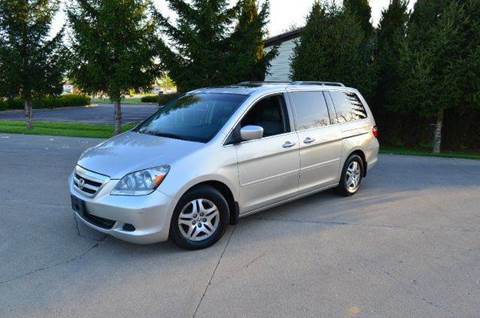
(408, 245)
(94, 114)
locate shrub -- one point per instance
(15, 103)
(63, 101)
(48, 102)
(149, 99)
(164, 99)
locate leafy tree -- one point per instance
(332, 48)
(5, 90)
(432, 82)
(247, 58)
(31, 61)
(391, 35)
(113, 48)
(165, 82)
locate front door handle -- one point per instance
(309, 140)
(288, 144)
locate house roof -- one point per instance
(279, 39)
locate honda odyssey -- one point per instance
(217, 154)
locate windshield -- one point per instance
(196, 117)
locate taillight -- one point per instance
(375, 131)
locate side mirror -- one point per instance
(251, 132)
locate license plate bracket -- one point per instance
(78, 205)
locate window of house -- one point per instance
(310, 110)
(269, 113)
(348, 107)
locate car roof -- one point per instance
(250, 88)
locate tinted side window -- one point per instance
(268, 113)
(348, 107)
(310, 110)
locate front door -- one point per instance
(268, 167)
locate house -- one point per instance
(68, 88)
(280, 65)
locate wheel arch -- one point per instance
(361, 154)
(227, 194)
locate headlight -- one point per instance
(142, 182)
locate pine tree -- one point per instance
(470, 68)
(431, 61)
(31, 61)
(332, 48)
(391, 35)
(198, 42)
(247, 58)
(214, 44)
(113, 48)
(361, 9)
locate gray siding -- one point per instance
(280, 66)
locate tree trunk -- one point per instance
(28, 113)
(437, 138)
(118, 117)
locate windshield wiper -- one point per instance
(167, 135)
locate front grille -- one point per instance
(88, 182)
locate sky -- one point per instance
(283, 13)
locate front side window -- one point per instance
(197, 117)
(348, 107)
(270, 114)
(310, 110)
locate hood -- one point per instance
(133, 151)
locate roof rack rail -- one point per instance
(318, 83)
(259, 83)
(263, 82)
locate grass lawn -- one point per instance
(423, 153)
(60, 129)
(126, 101)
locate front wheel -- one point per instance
(199, 219)
(352, 174)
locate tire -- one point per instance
(347, 186)
(200, 218)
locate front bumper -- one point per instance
(150, 215)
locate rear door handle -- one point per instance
(308, 140)
(288, 144)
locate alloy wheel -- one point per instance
(198, 220)
(353, 176)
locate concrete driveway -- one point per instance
(408, 245)
(93, 114)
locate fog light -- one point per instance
(128, 227)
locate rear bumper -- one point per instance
(371, 154)
(150, 215)
(372, 163)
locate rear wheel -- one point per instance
(352, 174)
(200, 218)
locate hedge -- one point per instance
(149, 99)
(48, 102)
(164, 99)
(160, 99)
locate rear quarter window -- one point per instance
(348, 107)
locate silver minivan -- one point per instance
(217, 154)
